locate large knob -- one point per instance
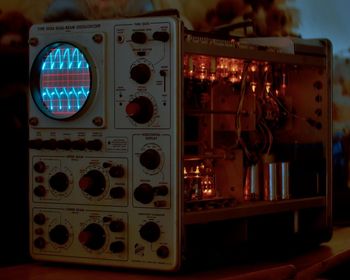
(144, 193)
(59, 182)
(140, 109)
(93, 183)
(93, 236)
(59, 234)
(150, 159)
(150, 231)
(140, 73)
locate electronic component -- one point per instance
(152, 146)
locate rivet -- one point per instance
(33, 42)
(98, 121)
(34, 121)
(98, 38)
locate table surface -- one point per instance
(305, 266)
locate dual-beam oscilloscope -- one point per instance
(152, 146)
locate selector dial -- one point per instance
(150, 231)
(150, 159)
(59, 234)
(144, 193)
(93, 183)
(93, 236)
(140, 109)
(59, 182)
(140, 73)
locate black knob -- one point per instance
(95, 145)
(79, 145)
(150, 159)
(116, 171)
(50, 144)
(117, 192)
(117, 247)
(144, 193)
(116, 226)
(93, 183)
(36, 144)
(140, 73)
(59, 234)
(40, 167)
(140, 109)
(59, 182)
(93, 236)
(163, 252)
(161, 190)
(150, 231)
(39, 219)
(39, 243)
(40, 191)
(139, 37)
(162, 36)
(65, 144)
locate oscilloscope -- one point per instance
(152, 146)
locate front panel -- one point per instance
(103, 117)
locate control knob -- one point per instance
(93, 183)
(59, 234)
(139, 37)
(140, 109)
(144, 193)
(93, 236)
(117, 246)
(140, 73)
(150, 231)
(59, 182)
(150, 159)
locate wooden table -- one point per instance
(310, 265)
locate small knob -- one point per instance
(39, 219)
(93, 236)
(116, 171)
(40, 167)
(93, 183)
(116, 226)
(150, 231)
(140, 109)
(39, 191)
(140, 73)
(39, 243)
(161, 190)
(59, 182)
(150, 159)
(117, 247)
(95, 145)
(144, 193)
(65, 144)
(163, 252)
(36, 144)
(79, 145)
(162, 36)
(117, 192)
(139, 37)
(59, 234)
(50, 144)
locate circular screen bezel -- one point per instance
(36, 80)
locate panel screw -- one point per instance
(33, 42)
(98, 38)
(34, 121)
(98, 121)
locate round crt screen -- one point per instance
(65, 81)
